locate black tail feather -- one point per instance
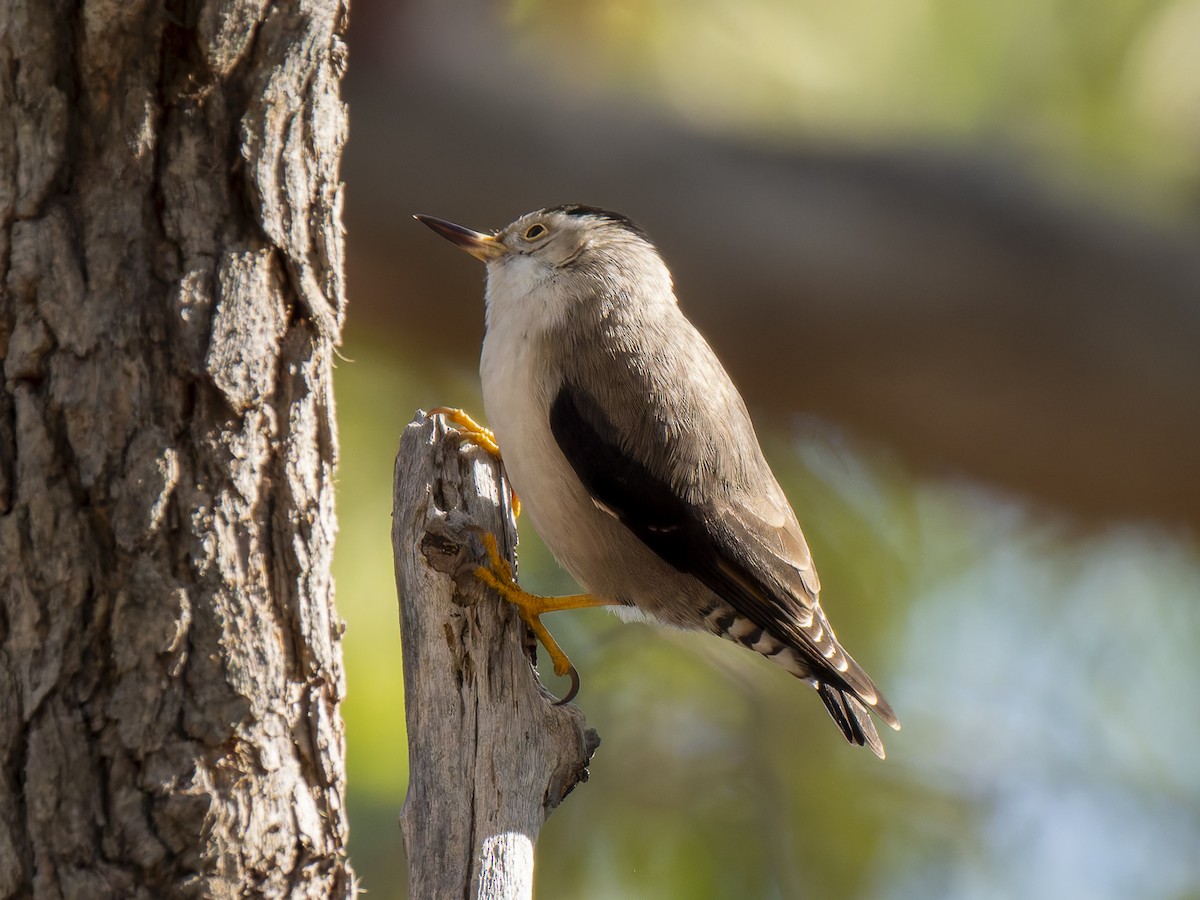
(851, 717)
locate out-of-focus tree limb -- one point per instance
(941, 303)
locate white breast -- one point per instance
(517, 392)
(517, 404)
(519, 384)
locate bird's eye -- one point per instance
(533, 232)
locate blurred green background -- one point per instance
(950, 253)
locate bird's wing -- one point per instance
(744, 545)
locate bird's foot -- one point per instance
(478, 434)
(498, 576)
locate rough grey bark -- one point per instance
(490, 755)
(170, 297)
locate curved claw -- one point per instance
(498, 575)
(574, 676)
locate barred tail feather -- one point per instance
(846, 690)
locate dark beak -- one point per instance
(481, 246)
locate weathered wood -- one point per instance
(170, 299)
(490, 754)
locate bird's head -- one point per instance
(565, 254)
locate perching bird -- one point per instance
(634, 454)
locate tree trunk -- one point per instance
(171, 276)
(490, 754)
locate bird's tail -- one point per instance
(849, 695)
(851, 716)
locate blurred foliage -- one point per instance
(1043, 677)
(1046, 676)
(1111, 89)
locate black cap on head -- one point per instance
(595, 212)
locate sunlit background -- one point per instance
(951, 253)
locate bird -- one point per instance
(635, 456)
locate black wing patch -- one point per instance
(643, 502)
(693, 540)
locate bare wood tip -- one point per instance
(487, 744)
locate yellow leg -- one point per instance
(479, 434)
(531, 607)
